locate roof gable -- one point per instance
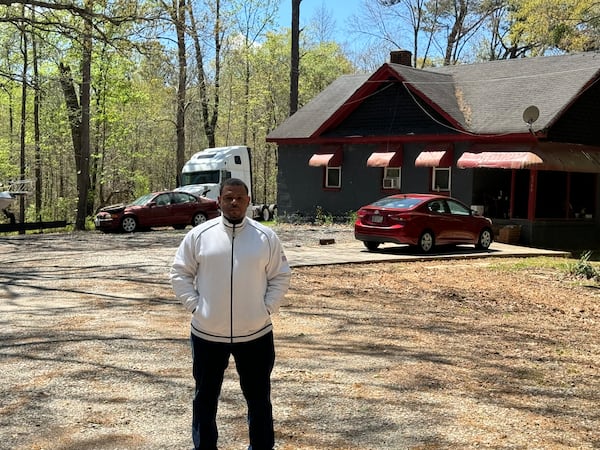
(391, 110)
(579, 123)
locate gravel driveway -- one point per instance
(94, 352)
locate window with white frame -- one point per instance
(333, 177)
(391, 177)
(440, 179)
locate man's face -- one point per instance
(234, 201)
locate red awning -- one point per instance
(435, 155)
(499, 160)
(385, 159)
(331, 158)
(558, 157)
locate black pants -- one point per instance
(254, 362)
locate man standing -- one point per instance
(231, 273)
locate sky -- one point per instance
(340, 10)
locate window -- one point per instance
(333, 177)
(457, 209)
(391, 177)
(440, 180)
(206, 176)
(163, 200)
(182, 197)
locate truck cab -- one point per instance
(204, 172)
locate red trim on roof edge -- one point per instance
(523, 138)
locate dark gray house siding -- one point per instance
(360, 184)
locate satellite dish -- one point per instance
(531, 114)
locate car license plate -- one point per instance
(376, 219)
(96, 222)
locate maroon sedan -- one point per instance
(423, 221)
(158, 209)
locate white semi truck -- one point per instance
(206, 170)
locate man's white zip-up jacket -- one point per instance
(232, 278)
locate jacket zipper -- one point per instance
(231, 287)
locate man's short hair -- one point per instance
(233, 182)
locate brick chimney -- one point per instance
(403, 57)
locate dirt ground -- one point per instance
(483, 353)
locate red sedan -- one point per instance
(158, 209)
(421, 220)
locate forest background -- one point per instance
(104, 100)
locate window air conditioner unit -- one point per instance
(390, 183)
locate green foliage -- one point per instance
(351, 217)
(565, 25)
(323, 217)
(583, 268)
(62, 208)
(8, 169)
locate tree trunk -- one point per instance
(295, 56)
(218, 43)
(202, 88)
(72, 103)
(24, 49)
(461, 9)
(181, 88)
(36, 127)
(85, 196)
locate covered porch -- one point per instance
(550, 192)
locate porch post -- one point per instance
(532, 194)
(568, 207)
(513, 183)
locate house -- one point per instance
(518, 139)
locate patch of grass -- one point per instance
(536, 262)
(583, 268)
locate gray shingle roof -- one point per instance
(484, 98)
(309, 118)
(496, 93)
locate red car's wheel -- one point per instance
(371, 246)
(426, 242)
(485, 239)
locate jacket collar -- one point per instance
(230, 225)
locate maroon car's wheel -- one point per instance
(128, 224)
(198, 219)
(426, 242)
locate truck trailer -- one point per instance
(206, 170)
